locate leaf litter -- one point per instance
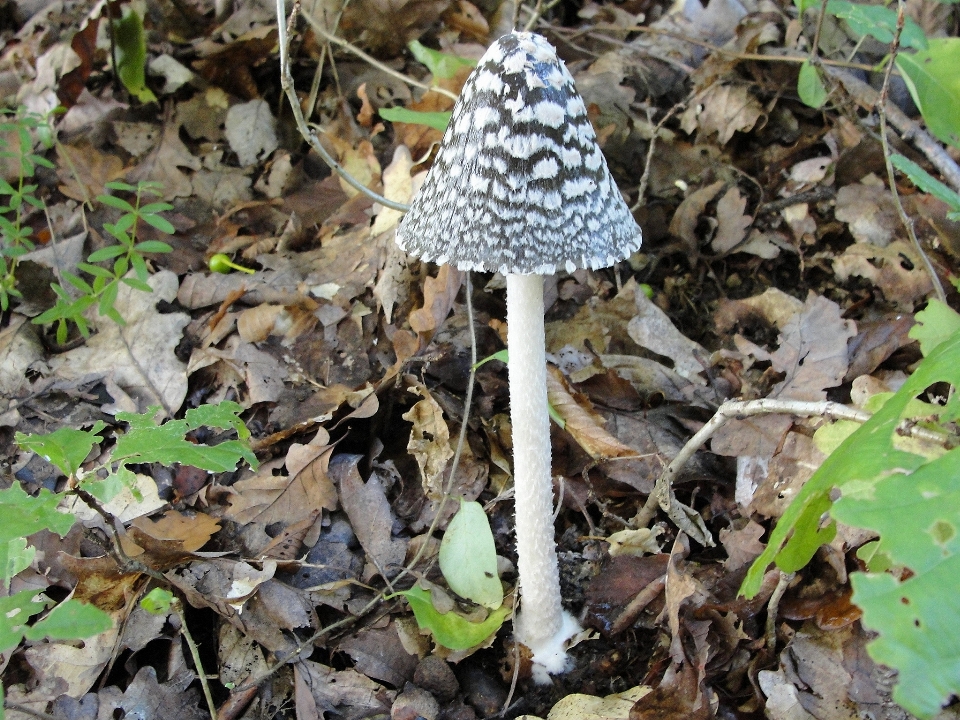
(351, 362)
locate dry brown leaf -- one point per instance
(164, 163)
(895, 269)
(84, 171)
(192, 531)
(732, 224)
(349, 693)
(585, 426)
(652, 329)
(370, 515)
(869, 212)
(267, 498)
(685, 219)
(722, 109)
(742, 545)
(429, 441)
(439, 294)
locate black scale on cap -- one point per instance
(519, 184)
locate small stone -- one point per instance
(434, 674)
(414, 703)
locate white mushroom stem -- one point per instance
(542, 625)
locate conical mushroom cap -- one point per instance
(519, 184)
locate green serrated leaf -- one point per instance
(935, 324)
(66, 448)
(468, 557)
(934, 83)
(131, 46)
(22, 515)
(15, 555)
(71, 620)
(878, 22)
(810, 85)
(449, 629)
(436, 120)
(918, 519)
(440, 64)
(16, 611)
(224, 415)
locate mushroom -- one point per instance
(520, 186)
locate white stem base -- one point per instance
(542, 625)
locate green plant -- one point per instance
(22, 515)
(127, 254)
(909, 493)
(14, 233)
(131, 54)
(929, 71)
(468, 561)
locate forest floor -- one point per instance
(774, 265)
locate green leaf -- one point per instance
(440, 64)
(810, 85)
(145, 442)
(71, 620)
(132, 55)
(161, 224)
(918, 518)
(153, 246)
(449, 629)
(15, 555)
(137, 284)
(932, 78)
(115, 202)
(66, 448)
(224, 415)
(22, 515)
(935, 324)
(468, 557)
(157, 601)
(120, 185)
(879, 22)
(926, 182)
(15, 612)
(436, 120)
(867, 455)
(501, 355)
(106, 253)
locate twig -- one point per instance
(26, 710)
(645, 178)
(891, 175)
(195, 654)
(910, 131)
(773, 607)
(373, 61)
(691, 522)
(537, 12)
(286, 82)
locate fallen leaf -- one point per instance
(732, 224)
(724, 110)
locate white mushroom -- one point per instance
(520, 186)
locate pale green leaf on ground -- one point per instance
(468, 557)
(932, 78)
(810, 85)
(22, 515)
(449, 629)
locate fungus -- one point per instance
(520, 186)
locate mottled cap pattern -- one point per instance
(519, 184)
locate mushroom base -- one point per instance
(550, 655)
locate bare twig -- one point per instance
(773, 606)
(286, 82)
(645, 178)
(195, 654)
(691, 522)
(891, 175)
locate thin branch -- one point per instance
(891, 175)
(645, 178)
(373, 61)
(773, 607)
(689, 521)
(195, 654)
(286, 82)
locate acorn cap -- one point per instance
(519, 184)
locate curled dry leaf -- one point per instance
(895, 269)
(582, 423)
(685, 219)
(722, 109)
(732, 224)
(429, 441)
(652, 329)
